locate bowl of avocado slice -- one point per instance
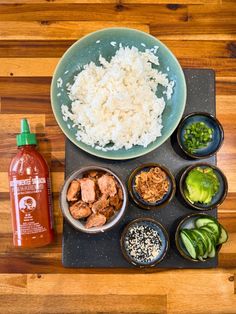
(203, 186)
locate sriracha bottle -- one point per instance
(30, 193)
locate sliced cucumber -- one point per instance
(200, 222)
(208, 239)
(223, 235)
(211, 234)
(202, 237)
(213, 252)
(201, 258)
(188, 243)
(199, 242)
(215, 229)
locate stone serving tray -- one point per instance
(103, 250)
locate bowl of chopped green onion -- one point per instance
(200, 135)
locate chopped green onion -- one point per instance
(197, 135)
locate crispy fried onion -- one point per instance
(152, 185)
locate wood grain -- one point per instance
(91, 12)
(168, 284)
(10, 123)
(26, 104)
(171, 1)
(55, 49)
(27, 66)
(34, 49)
(56, 30)
(208, 55)
(111, 1)
(33, 36)
(203, 22)
(111, 304)
(223, 303)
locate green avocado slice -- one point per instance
(201, 185)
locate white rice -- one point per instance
(115, 104)
(59, 82)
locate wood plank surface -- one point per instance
(34, 34)
(111, 1)
(93, 12)
(55, 49)
(37, 67)
(44, 30)
(112, 304)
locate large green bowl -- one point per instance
(88, 49)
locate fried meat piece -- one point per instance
(100, 204)
(92, 173)
(108, 212)
(80, 210)
(107, 185)
(95, 220)
(87, 190)
(72, 192)
(115, 202)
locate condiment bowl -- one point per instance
(217, 137)
(79, 225)
(187, 223)
(139, 200)
(217, 199)
(163, 236)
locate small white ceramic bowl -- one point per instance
(79, 225)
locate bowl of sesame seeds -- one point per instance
(144, 242)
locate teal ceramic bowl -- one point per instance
(88, 49)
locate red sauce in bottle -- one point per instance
(30, 193)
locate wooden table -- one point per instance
(33, 36)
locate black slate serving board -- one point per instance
(103, 250)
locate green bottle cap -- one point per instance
(25, 137)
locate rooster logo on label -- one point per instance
(27, 204)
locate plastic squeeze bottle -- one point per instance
(30, 193)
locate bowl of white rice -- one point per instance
(118, 93)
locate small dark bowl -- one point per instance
(162, 233)
(219, 196)
(210, 121)
(139, 200)
(187, 223)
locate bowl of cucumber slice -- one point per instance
(199, 237)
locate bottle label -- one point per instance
(50, 202)
(30, 185)
(27, 204)
(33, 207)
